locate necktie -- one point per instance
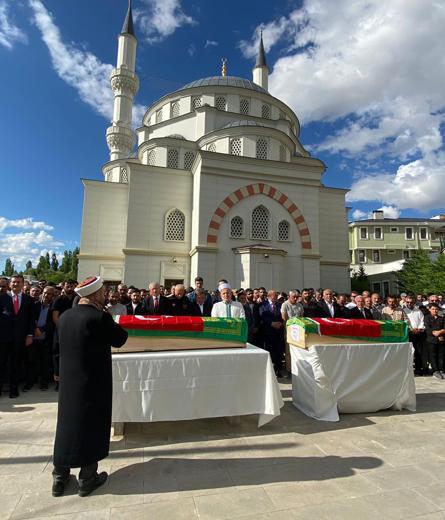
(228, 311)
(364, 314)
(16, 304)
(156, 303)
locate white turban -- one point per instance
(89, 286)
(223, 286)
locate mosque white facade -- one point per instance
(220, 187)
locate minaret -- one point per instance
(261, 70)
(125, 84)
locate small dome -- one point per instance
(242, 123)
(225, 81)
(177, 136)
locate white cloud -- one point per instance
(210, 43)
(161, 19)
(9, 33)
(358, 214)
(80, 69)
(23, 223)
(388, 212)
(272, 33)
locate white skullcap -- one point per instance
(89, 286)
(222, 286)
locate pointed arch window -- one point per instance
(221, 103)
(174, 229)
(235, 146)
(172, 158)
(261, 149)
(189, 158)
(159, 116)
(265, 111)
(175, 109)
(237, 227)
(211, 147)
(151, 158)
(244, 106)
(196, 102)
(260, 227)
(283, 231)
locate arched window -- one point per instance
(236, 227)
(235, 146)
(172, 158)
(196, 102)
(189, 157)
(159, 115)
(174, 225)
(265, 111)
(221, 103)
(174, 109)
(211, 147)
(261, 149)
(151, 158)
(260, 223)
(283, 231)
(244, 106)
(282, 153)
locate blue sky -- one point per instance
(365, 78)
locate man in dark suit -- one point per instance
(16, 331)
(360, 312)
(38, 355)
(328, 308)
(251, 310)
(202, 305)
(272, 326)
(156, 304)
(136, 305)
(180, 304)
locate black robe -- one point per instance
(86, 385)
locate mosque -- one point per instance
(220, 187)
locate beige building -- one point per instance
(220, 186)
(382, 245)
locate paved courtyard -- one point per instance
(382, 465)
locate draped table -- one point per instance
(352, 378)
(194, 384)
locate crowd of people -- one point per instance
(29, 314)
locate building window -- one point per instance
(196, 102)
(236, 227)
(282, 153)
(172, 158)
(265, 111)
(261, 149)
(378, 234)
(405, 254)
(211, 147)
(189, 157)
(376, 287)
(260, 223)
(159, 116)
(235, 146)
(394, 230)
(284, 231)
(124, 175)
(151, 158)
(174, 109)
(364, 233)
(423, 233)
(391, 251)
(376, 256)
(244, 106)
(409, 233)
(221, 103)
(361, 256)
(175, 226)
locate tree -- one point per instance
(75, 262)
(54, 262)
(418, 274)
(28, 267)
(359, 281)
(66, 262)
(9, 269)
(47, 261)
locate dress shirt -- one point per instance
(219, 310)
(393, 314)
(330, 307)
(415, 318)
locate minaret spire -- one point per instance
(261, 70)
(125, 84)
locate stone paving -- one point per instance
(382, 465)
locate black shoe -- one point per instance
(87, 486)
(59, 485)
(13, 392)
(27, 387)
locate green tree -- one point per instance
(54, 262)
(66, 262)
(359, 281)
(28, 267)
(42, 267)
(9, 269)
(418, 274)
(75, 262)
(47, 261)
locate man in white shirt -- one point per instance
(417, 335)
(227, 308)
(114, 307)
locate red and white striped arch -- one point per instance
(250, 191)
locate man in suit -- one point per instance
(202, 305)
(360, 312)
(136, 305)
(38, 356)
(199, 285)
(272, 326)
(16, 331)
(251, 308)
(180, 304)
(156, 304)
(328, 308)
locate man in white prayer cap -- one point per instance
(227, 308)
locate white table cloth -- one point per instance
(332, 379)
(193, 384)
